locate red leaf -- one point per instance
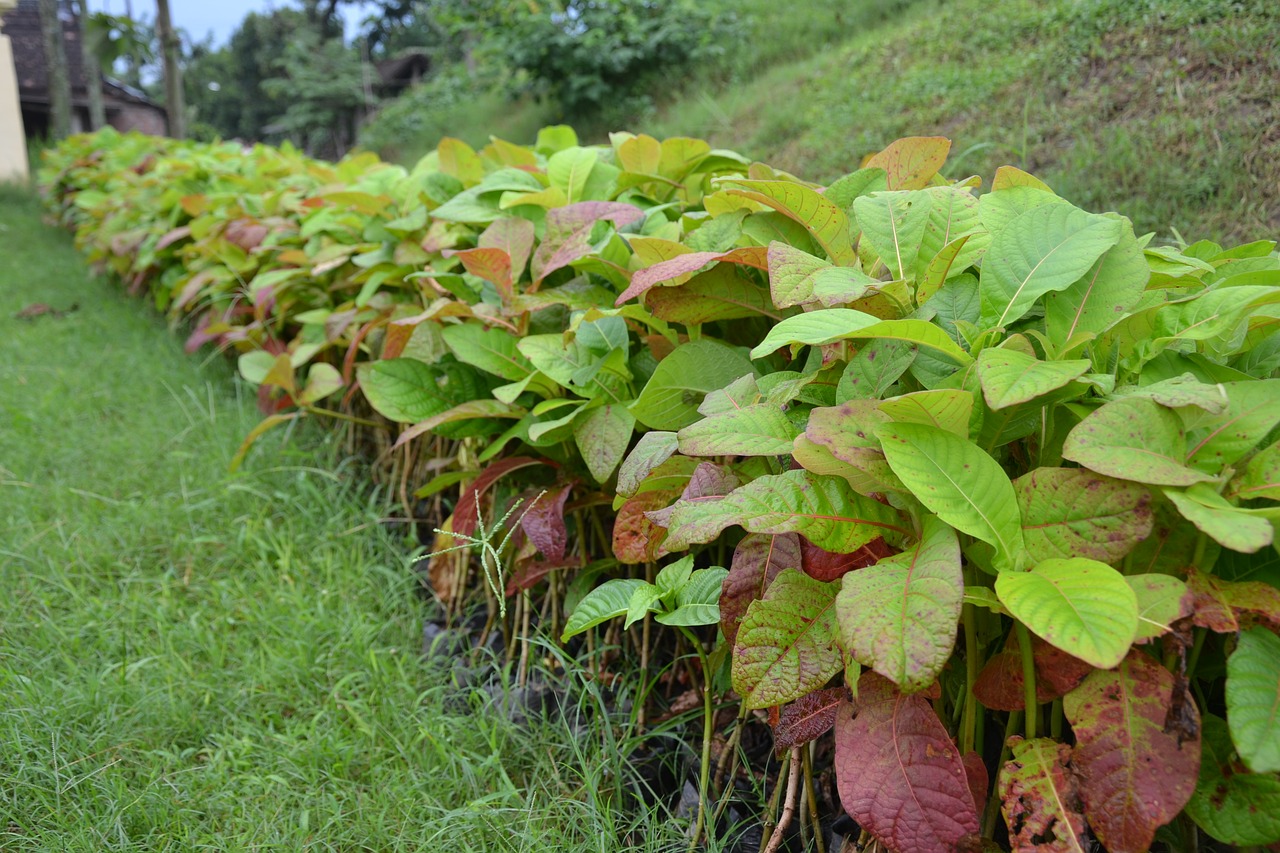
(643, 280)
(975, 773)
(1134, 776)
(568, 233)
(999, 684)
(465, 515)
(899, 774)
(756, 562)
(636, 539)
(823, 565)
(1226, 606)
(512, 235)
(1040, 799)
(544, 524)
(807, 718)
(492, 265)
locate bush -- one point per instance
(978, 464)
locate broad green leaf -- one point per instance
(814, 328)
(1253, 699)
(946, 408)
(1111, 286)
(757, 560)
(1133, 439)
(673, 576)
(899, 616)
(1162, 600)
(493, 350)
(1253, 410)
(825, 510)
(787, 641)
(1260, 477)
(602, 435)
(1234, 807)
(1009, 377)
(406, 390)
(757, 430)
(650, 451)
(1218, 519)
(1073, 512)
(607, 601)
(1215, 313)
(998, 208)
(644, 600)
(827, 223)
(943, 266)
(1045, 249)
(954, 224)
(1135, 773)
(697, 599)
(487, 411)
(1078, 605)
(1040, 797)
(954, 479)
(899, 773)
(1180, 391)
(720, 293)
(894, 224)
(799, 278)
(671, 397)
(255, 365)
(322, 380)
(925, 335)
(874, 369)
(568, 171)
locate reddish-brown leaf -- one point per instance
(1135, 777)
(975, 773)
(1040, 799)
(636, 539)
(465, 515)
(544, 524)
(513, 235)
(643, 280)
(492, 265)
(910, 163)
(807, 718)
(756, 562)
(899, 774)
(1226, 606)
(999, 684)
(823, 565)
(568, 233)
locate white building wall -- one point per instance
(13, 139)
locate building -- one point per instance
(13, 140)
(126, 108)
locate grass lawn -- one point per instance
(195, 660)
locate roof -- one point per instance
(403, 68)
(22, 26)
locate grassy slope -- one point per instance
(191, 659)
(1166, 110)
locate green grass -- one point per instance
(197, 660)
(1165, 110)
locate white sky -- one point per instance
(202, 17)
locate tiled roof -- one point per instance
(22, 26)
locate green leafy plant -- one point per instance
(994, 477)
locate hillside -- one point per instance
(1166, 109)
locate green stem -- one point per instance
(330, 413)
(969, 722)
(708, 725)
(1196, 646)
(1028, 678)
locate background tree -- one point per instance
(326, 87)
(55, 60)
(170, 48)
(92, 68)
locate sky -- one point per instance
(202, 17)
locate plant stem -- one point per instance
(812, 797)
(1028, 678)
(789, 805)
(708, 725)
(969, 721)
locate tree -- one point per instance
(92, 68)
(170, 47)
(55, 60)
(323, 83)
